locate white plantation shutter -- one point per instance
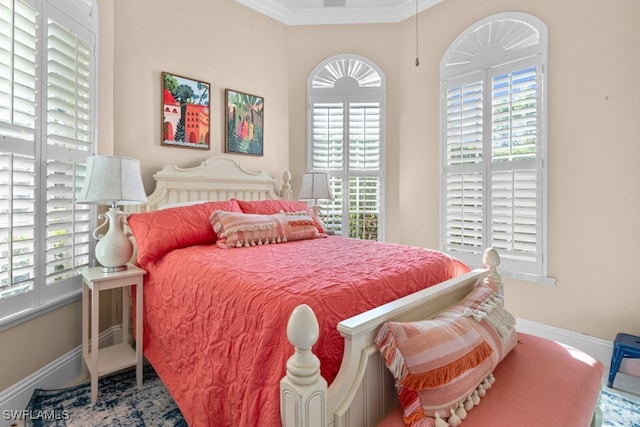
(68, 226)
(364, 136)
(364, 167)
(346, 122)
(18, 75)
(18, 131)
(464, 121)
(514, 109)
(328, 136)
(514, 172)
(464, 174)
(465, 212)
(514, 214)
(18, 164)
(47, 114)
(491, 179)
(515, 226)
(69, 112)
(327, 155)
(69, 141)
(493, 190)
(17, 229)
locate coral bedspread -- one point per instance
(215, 319)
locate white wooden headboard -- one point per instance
(216, 178)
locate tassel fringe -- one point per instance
(446, 373)
(389, 350)
(503, 321)
(455, 417)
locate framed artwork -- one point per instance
(185, 112)
(244, 123)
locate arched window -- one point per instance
(346, 141)
(494, 143)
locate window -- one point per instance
(346, 141)
(494, 143)
(47, 115)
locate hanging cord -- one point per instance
(417, 59)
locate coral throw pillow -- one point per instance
(158, 232)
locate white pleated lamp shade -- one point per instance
(315, 186)
(112, 180)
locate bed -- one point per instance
(240, 335)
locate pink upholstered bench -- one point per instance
(540, 383)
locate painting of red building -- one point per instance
(185, 112)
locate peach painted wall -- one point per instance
(594, 194)
(219, 42)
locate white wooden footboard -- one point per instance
(363, 392)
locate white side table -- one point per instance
(118, 356)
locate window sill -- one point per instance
(31, 313)
(527, 277)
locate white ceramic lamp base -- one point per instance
(114, 249)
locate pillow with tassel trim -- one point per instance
(237, 230)
(486, 307)
(443, 366)
(273, 206)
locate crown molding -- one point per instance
(278, 10)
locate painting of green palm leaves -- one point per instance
(244, 123)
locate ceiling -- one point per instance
(321, 12)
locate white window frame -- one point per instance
(505, 42)
(360, 84)
(64, 137)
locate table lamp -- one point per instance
(112, 181)
(315, 186)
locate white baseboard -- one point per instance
(54, 375)
(596, 347)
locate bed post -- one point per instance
(303, 392)
(287, 192)
(491, 260)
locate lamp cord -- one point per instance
(417, 59)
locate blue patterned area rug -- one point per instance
(120, 403)
(618, 411)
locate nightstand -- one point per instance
(118, 356)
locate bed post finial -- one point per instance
(491, 260)
(303, 392)
(287, 192)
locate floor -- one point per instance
(625, 385)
